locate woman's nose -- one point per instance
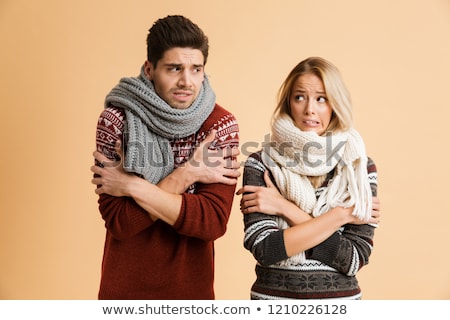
(309, 108)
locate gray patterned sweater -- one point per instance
(330, 268)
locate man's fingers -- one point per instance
(118, 149)
(99, 156)
(229, 181)
(231, 152)
(104, 161)
(233, 173)
(95, 169)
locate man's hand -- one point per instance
(110, 177)
(214, 165)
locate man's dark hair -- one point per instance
(174, 31)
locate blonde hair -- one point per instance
(335, 89)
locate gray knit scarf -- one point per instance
(151, 123)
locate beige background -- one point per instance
(58, 59)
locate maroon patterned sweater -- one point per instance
(153, 260)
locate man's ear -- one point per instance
(148, 70)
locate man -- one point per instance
(168, 195)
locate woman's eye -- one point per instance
(299, 97)
(322, 99)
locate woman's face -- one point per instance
(309, 104)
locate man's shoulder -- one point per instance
(220, 117)
(111, 119)
(112, 112)
(220, 111)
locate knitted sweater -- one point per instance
(153, 260)
(330, 267)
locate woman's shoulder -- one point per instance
(255, 160)
(372, 175)
(371, 166)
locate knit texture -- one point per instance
(151, 123)
(152, 260)
(328, 270)
(292, 155)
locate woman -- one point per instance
(309, 196)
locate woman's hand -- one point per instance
(261, 199)
(376, 214)
(270, 201)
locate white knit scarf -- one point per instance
(293, 155)
(151, 123)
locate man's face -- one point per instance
(178, 76)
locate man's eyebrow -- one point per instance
(173, 64)
(181, 65)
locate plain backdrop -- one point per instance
(59, 59)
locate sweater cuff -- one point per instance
(273, 250)
(279, 249)
(326, 251)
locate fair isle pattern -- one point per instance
(259, 296)
(253, 163)
(304, 283)
(330, 267)
(264, 227)
(373, 178)
(227, 131)
(308, 265)
(227, 137)
(298, 284)
(111, 124)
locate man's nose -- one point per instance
(185, 80)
